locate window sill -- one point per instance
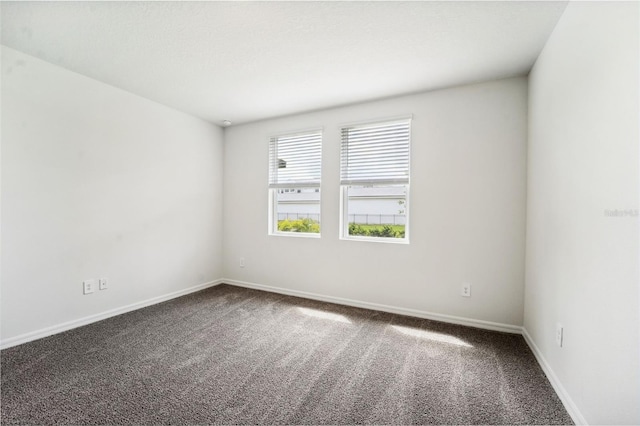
(295, 234)
(377, 240)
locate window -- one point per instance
(374, 176)
(295, 162)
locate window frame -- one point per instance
(344, 187)
(273, 188)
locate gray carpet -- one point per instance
(236, 356)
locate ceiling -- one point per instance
(246, 61)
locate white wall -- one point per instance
(467, 208)
(98, 182)
(582, 266)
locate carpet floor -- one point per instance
(229, 355)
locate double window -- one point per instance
(374, 177)
(374, 180)
(295, 169)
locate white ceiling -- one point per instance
(245, 61)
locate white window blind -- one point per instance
(375, 153)
(295, 160)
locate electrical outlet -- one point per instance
(102, 284)
(88, 286)
(559, 334)
(466, 290)
(242, 262)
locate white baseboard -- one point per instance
(562, 393)
(59, 328)
(487, 325)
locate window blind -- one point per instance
(295, 160)
(375, 153)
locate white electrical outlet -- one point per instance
(88, 286)
(559, 334)
(242, 262)
(102, 284)
(466, 290)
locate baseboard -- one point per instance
(487, 325)
(562, 393)
(48, 331)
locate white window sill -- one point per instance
(377, 240)
(295, 234)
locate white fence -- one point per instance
(361, 219)
(296, 216)
(378, 219)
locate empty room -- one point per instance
(320, 212)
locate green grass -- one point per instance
(299, 225)
(396, 228)
(384, 231)
(312, 226)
